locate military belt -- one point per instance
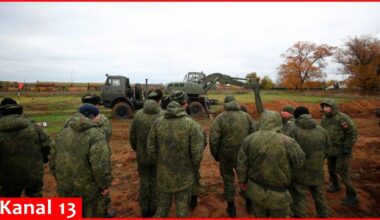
(266, 186)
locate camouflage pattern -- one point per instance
(24, 147)
(266, 162)
(197, 175)
(226, 136)
(80, 163)
(315, 142)
(181, 198)
(343, 134)
(138, 136)
(175, 143)
(104, 123)
(288, 126)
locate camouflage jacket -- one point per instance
(80, 159)
(287, 126)
(104, 123)
(228, 132)
(176, 142)
(315, 142)
(267, 156)
(341, 129)
(24, 147)
(139, 131)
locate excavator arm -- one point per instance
(211, 79)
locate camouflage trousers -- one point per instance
(227, 172)
(340, 165)
(96, 206)
(148, 188)
(261, 212)
(196, 185)
(299, 192)
(181, 198)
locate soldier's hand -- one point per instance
(243, 186)
(104, 192)
(217, 158)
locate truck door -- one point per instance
(111, 88)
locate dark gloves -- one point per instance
(216, 157)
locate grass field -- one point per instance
(55, 109)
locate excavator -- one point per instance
(199, 104)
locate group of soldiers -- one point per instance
(277, 160)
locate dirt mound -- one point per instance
(360, 108)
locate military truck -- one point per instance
(118, 94)
(199, 104)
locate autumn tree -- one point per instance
(360, 58)
(266, 83)
(304, 61)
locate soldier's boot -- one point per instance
(146, 214)
(333, 187)
(110, 213)
(152, 212)
(351, 199)
(248, 206)
(231, 210)
(193, 201)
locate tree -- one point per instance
(266, 83)
(360, 57)
(253, 76)
(304, 61)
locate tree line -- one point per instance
(304, 63)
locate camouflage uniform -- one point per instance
(266, 162)
(80, 162)
(175, 142)
(288, 123)
(24, 147)
(315, 142)
(343, 135)
(138, 135)
(226, 136)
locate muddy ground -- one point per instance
(365, 170)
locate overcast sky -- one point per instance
(163, 41)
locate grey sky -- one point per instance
(164, 41)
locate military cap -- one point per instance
(7, 101)
(300, 111)
(288, 109)
(89, 111)
(91, 99)
(229, 98)
(11, 109)
(179, 96)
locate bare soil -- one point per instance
(365, 170)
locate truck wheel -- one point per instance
(196, 109)
(122, 111)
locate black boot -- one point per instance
(146, 214)
(351, 199)
(231, 210)
(333, 187)
(248, 206)
(193, 202)
(110, 213)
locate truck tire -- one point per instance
(196, 109)
(122, 111)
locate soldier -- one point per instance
(343, 135)
(24, 148)
(265, 164)
(6, 101)
(315, 142)
(226, 136)
(104, 123)
(80, 162)
(175, 143)
(287, 119)
(138, 136)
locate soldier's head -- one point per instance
(91, 99)
(229, 98)
(155, 95)
(301, 110)
(180, 97)
(287, 113)
(326, 108)
(6, 102)
(11, 109)
(90, 111)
